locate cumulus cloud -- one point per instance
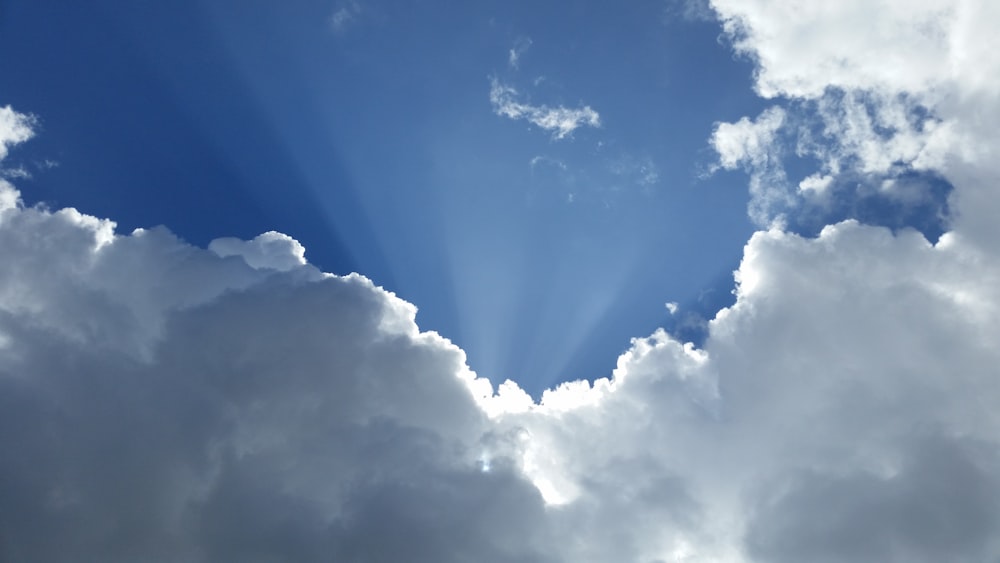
(164, 402)
(272, 249)
(882, 89)
(560, 120)
(804, 49)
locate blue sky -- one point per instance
(366, 132)
(265, 271)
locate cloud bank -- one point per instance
(165, 402)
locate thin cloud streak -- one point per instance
(560, 120)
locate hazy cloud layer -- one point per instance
(165, 402)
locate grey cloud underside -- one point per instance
(278, 422)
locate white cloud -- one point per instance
(294, 415)
(755, 146)
(160, 401)
(750, 142)
(815, 183)
(14, 128)
(802, 49)
(272, 250)
(560, 120)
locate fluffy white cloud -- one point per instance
(754, 145)
(14, 128)
(888, 45)
(286, 414)
(560, 120)
(747, 141)
(160, 401)
(272, 249)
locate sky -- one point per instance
(700, 281)
(411, 145)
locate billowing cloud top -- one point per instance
(170, 403)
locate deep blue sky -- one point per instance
(374, 143)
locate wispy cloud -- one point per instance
(346, 14)
(560, 120)
(690, 10)
(521, 46)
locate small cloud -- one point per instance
(521, 46)
(815, 184)
(672, 307)
(271, 250)
(14, 128)
(746, 142)
(345, 15)
(560, 120)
